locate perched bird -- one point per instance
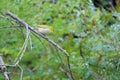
(44, 29)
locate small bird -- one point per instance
(44, 29)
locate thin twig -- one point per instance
(4, 16)
(21, 75)
(8, 27)
(37, 36)
(31, 47)
(22, 51)
(3, 69)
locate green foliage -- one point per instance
(97, 51)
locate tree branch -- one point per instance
(24, 24)
(3, 68)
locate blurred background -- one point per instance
(89, 30)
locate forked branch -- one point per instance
(3, 68)
(24, 24)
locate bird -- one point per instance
(45, 29)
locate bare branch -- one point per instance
(21, 76)
(3, 68)
(35, 31)
(24, 24)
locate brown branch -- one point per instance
(24, 24)
(35, 31)
(3, 68)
